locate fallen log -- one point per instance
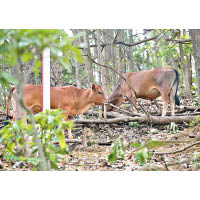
(77, 141)
(153, 120)
(109, 114)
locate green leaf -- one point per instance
(34, 161)
(11, 146)
(61, 139)
(6, 78)
(113, 156)
(27, 57)
(136, 144)
(155, 143)
(142, 156)
(53, 164)
(36, 68)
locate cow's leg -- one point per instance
(158, 106)
(172, 100)
(68, 118)
(70, 134)
(165, 104)
(70, 130)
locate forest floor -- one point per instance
(95, 157)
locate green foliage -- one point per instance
(6, 79)
(172, 128)
(20, 46)
(50, 125)
(196, 102)
(134, 124)
(117, 151)
(194, 122)
(195, 160)
(154, 143)
(13, 136)
(142, 155)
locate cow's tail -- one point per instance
(177, 101)
(8, 104)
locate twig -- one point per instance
(177, 151)
(136, 43)
(77, 141)
(132, 114)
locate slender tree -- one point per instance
(195, 35)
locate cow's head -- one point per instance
(116, 100)
(98, 97)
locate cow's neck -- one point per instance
(86, 101)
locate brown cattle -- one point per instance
(73, 100)
(148, 84)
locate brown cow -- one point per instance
(148, 84)
(73, 100)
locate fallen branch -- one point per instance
(154, 120)
(77, 141)
(130, 113)
(177, 151)
(109, 114)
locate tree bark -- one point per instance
(130, 52)
(185, 71)
(20, 114)
(120, 64)
(153, 120)
(99, 56)
(88, 62)
(77, 65)
(124, 51)
(195, 35)
(106, 70)
(114, 76)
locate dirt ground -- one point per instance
(94, 157)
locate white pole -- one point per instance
(46, 78)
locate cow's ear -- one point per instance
(93, 86)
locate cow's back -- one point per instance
(143, 82)
(61, 96)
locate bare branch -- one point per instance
(179, 41)
(177, 151)
(139, 42)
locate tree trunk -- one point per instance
(99, 57)
(88, 61)
(157, 57)
(120, 64)
(195, 35)
(130, 52)
(113, 61)
(106, 72)
(124, 51)
(185, 71)
(189, 67)
(148, 59)
(77, 66)
(20, 114)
